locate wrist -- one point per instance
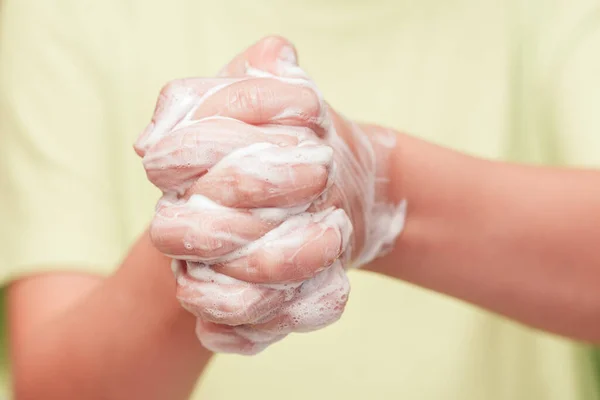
(444, 192)
(385, 215)
(366, 175)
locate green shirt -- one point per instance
(509, 79)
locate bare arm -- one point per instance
(123, 337)
(520, 241)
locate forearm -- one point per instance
(520, 241)
(128, 339)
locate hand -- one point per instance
(269, 195)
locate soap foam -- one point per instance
(244, 317)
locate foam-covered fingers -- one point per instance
(229, 339)
(316, 304)
(266, 101)
(201, 230)
(178, 159)
(272, 54)
(175, 102)
(319, 302)
(266, 175)
(255, 101)
(354, 206)
(291, 255)
(221, 299)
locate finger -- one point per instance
(266, 175)
(296, 255)
(175, 102)
(319, 302)
(226, 339)
(186, 154)
(325, 295)
(255, 101)
(270, 56)
(356, 206)
(273, 55)
(220, 299)
(201, 230)
(267, 101)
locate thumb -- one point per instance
(272, 55)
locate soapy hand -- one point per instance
(269, 196)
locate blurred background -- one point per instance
(504, 79)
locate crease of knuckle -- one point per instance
(252, 97)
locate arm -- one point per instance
(122, 337)
(518, 240)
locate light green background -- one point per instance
(509, 79)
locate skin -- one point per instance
(232, 116)
(516, 240)
(121, 337)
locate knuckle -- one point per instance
(159, 233)
(313, 104)
(168, 93)
(155, 234)
(179, 89)
(249, 96)
(171, 88)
